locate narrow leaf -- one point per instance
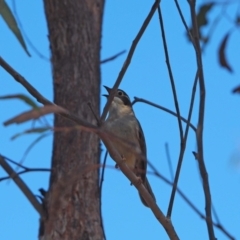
(35, 113)
(29, 148)
(22, 97)
(8, 17)
(222, 53)
(202, 14)
(34, 130)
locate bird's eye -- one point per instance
(120, 93)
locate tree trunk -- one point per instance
(72, 202)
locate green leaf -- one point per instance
(8, 17)
(22, 97)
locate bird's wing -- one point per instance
(141, 163)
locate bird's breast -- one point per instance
(124, 137)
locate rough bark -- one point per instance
(72, 201)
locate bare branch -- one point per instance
(24, 82)
(136, 99)
(128, 59)
(183, 146)
(169, 161)
(113, 57)
(103, 170)
(28, 170)
(184, 22)
(165, 222)
(170, 74)
(188, 201)
(94, 114)
(100, 190)
(84, 125)
(24, 188)
(199, 133)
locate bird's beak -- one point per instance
(108, 90)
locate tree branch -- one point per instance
(85, 125)
(113, 57)
(136, 99)
(199, 133)
(22, 186)
(184, 22)
(128, 59)
(165, 222)
(188, 201)
(107, 139)
(183, 147)
(170, 74)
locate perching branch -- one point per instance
(165, 222)
(107, 139)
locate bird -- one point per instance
(123, 124)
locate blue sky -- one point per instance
(147, 77)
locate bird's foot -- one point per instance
(139, 181)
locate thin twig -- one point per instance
(199, 133)
(14, 162)
(22, 186)
(183, 147)
(215, 214)
(188, 201)
(28, 170)
(100, 191)
(25, 34)
(113, 57)
(169, 161)
(103, 171)
(184, 22)
(136, 99)
(170, 74)
(24, 82)
(94, 114)
(128, 59)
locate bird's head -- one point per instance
(121, 103)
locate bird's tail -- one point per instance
(148, 187)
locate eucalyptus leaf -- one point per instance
(8, 17)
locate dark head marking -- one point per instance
(124, 97)
(120, 94)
